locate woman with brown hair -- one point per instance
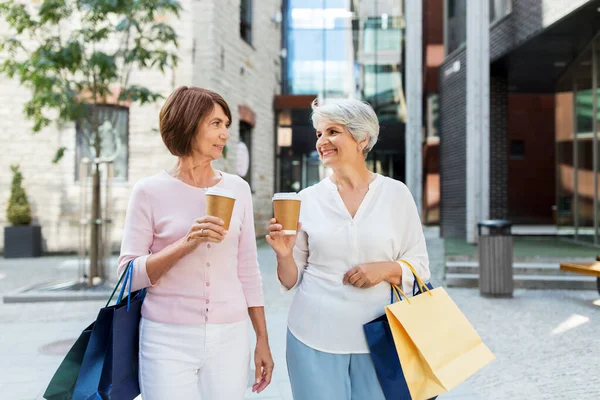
(202, 281)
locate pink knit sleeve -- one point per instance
(248, 270)
(138, 234)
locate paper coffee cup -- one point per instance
(219, 203)
(287, 211)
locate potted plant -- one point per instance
(21, 239)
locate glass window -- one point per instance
(305, 61)
(345, 48)
(244, 156)
(499, 9)
(575, 140)
(433, 114)
(114, 138)
(246, 20)
(456, 24)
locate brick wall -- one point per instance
(498, 147)
(207, 29)
(453, 146)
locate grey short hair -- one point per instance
(356, 116)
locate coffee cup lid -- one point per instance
(286, 196)
(218, 191)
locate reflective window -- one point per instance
(343, 49)
(456, 24)
(577, 210)
(114, 136)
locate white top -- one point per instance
(326, 314)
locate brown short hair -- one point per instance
(181, 114)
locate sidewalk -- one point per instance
(544, 341)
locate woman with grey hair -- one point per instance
(355, 227)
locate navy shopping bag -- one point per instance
(109, 370)
(62, 384)
(384, 355)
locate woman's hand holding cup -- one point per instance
(282, 244)
(205, 229)
(284, 228)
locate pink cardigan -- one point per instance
(217, 282)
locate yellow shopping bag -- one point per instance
(437, 346)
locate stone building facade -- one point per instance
(214, 55)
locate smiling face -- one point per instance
(336, 146)
(213, 134)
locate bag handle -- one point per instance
(397, 291)
(128, 279)
(128, 275)
(422, 285)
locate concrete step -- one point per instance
(519, 268)
(527, 281)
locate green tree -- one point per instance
(75, 55)
(18, 211)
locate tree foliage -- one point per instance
(75, 53)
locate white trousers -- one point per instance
(194, 362)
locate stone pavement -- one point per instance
(546, 342)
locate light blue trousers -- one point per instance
(315, 375)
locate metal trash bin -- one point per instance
(495, 255)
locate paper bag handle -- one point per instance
(422, 285)
(396, 289)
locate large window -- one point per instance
(347, 49)
(246, 20)
(344, 48)
(113, 131)
(319, 46)
(578, 148)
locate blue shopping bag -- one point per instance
(109, 370)
(384, 355)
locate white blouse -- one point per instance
(326, 314)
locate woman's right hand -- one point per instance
(205, 229)
(281, 243)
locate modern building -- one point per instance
(433, 56)
(230, 47)
(333, 49)
(543, 113)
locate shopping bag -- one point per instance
(383, 353)
(62, 384)
(109, 370)
(436, 345)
